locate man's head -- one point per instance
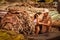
(45, 12)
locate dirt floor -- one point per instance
(46, 36)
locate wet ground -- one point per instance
(46, 36)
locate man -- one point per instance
(37, 25)
(39, 21)
(45, 21)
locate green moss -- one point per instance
(21, 37)
(10, 35)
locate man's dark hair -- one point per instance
(38, 13)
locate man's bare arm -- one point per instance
(49, 22)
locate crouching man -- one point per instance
(45, 22)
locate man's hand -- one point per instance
(41, 23)
(46, 24)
